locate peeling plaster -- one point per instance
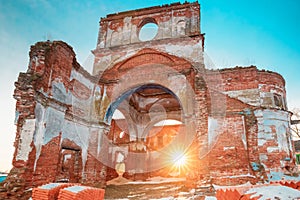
(272, 126)
(26, 136)
(190, 52)
(261, 142)
(16, 117)
(244, 137)
(228, 148)
(78, 76)
(282, 139)
(54, 122)
(116, 149)
(249, 96)
(263, 157)
(265, 136)
(178, 83)
(272, 149)
(79, 134)
(59, 92)
(39, 131)
(50, 123)
(213, 127)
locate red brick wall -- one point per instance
(241, 78)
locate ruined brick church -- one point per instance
(145, 101)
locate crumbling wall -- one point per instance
(266, 119)
(53, 112)
(119, 34)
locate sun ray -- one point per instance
(178, 159)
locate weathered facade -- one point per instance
(233, 123)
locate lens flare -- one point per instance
(179, 159)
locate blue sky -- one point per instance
(264, 33)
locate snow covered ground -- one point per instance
(153, 188)
(157, 180)
(274, 192)
(174, 189)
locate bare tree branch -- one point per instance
(295, 121)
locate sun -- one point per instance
(179, 159)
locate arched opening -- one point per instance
(148, 29)
(148, 130)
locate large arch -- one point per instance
(142, 129)
(141, 86)
(122, 97)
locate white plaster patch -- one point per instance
(265, 136)
(54, 122)
(272, 149)
(263, 157)
(178, 84)
(213, 127)
(191, 52)
(282, 138)
(261, 142)
(277, 91)
(268, 129)
(244, 137)
(101, 44)
(118, 151)
(104, 61)
(26, 136)
(108, 61)
(228, 148)
(59, 92)
(258, 113)
(278, 115)
(250, 96)
(78, 76)
(97, 93)
(39, 131)
(79, 134)
(16, 117)
(272, 125)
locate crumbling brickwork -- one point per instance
(233, 123)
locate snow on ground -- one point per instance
(274, 192)
(136, 195)
(216, 187)
(154, 180)
(175, 192)
(186, 198)
(157, 180)
(210, 198)
(172, 189)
